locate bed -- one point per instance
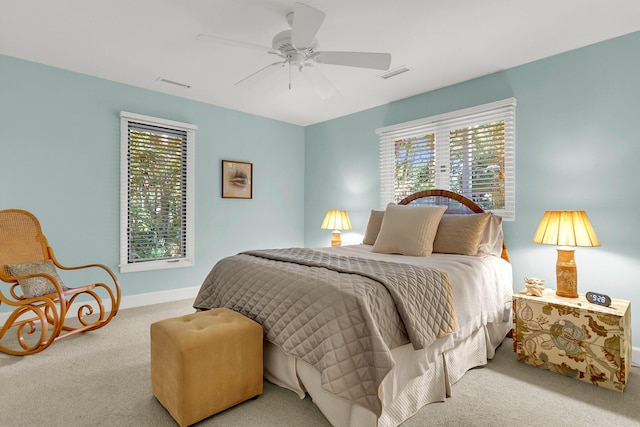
(375, 331)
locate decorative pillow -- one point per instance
(493, 237)
(35, 286)
(373, 227)
(460, 234)
(408, 230)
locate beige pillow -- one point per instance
(408, 230)
(36, 286)
(460, 234)
(373, 227)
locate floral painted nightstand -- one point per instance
(574, 338)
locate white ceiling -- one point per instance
(442, 41)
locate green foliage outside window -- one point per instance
(157, 195)
(414, 165)
(475, 165)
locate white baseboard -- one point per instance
(139, 300)
(635, 356)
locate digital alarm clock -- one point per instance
(597, 298)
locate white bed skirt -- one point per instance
(417, 379)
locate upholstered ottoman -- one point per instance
(205, 362)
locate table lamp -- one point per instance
(566, 229)
(336, 220)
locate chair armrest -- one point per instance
(103, 267)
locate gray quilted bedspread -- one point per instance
(339, 314)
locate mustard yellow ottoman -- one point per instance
(205, 362)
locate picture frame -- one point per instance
(237, 180)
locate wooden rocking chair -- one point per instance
(40, 298)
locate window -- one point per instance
(470, 151)
(156, 193)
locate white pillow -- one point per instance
(408, 230)
(492, 239)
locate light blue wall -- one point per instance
(577, 147)
(60, 145)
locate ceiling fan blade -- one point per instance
(261, 73)
(234, 43)
(306, 23)
(378, 61)
(320, 83)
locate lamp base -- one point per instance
(335, 239)
(566, 274)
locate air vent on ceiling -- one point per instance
(394, 72)
(173, 82)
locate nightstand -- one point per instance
(573, 337)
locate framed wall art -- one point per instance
(237, 180)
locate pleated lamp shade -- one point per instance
(566, 228)
(336, 220)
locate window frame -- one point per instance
(187, 258)
(441, 126)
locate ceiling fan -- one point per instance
(298, 48)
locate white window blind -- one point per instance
(156, 224)
(470, 151)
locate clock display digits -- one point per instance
(600, 299)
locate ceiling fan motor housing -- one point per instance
(282, 43)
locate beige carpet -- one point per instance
(102, 379)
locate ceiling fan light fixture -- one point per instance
(319, 82)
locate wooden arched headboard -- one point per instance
(456, 203)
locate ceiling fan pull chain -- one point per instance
(289, 75)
